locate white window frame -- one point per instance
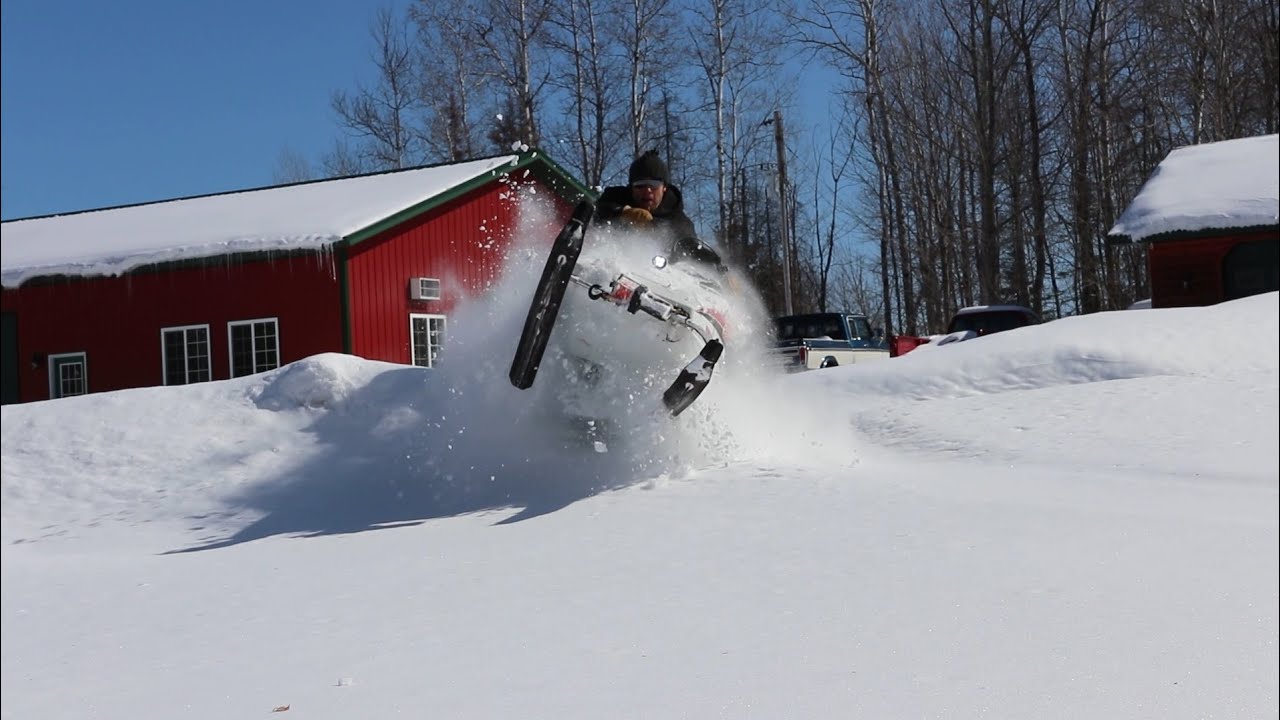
(428, 317)
(55, 382)
(164, 358)
(416, 288)
(231, 348)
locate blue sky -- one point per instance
(112, 103)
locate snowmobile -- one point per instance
(627, 315)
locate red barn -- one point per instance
(1210, 215)
(225, 285)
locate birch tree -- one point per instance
(381, 117)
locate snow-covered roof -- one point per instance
(303, 216)
(1228, 185)
(978, 309)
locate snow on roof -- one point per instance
(292, 217)
(976, 309)
(1215, 186)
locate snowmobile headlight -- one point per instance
(659, 261)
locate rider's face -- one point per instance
(647, 194)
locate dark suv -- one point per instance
(988, 319)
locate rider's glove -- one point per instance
(637, 216)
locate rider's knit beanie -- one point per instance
(648, 167)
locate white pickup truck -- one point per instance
(822, 340)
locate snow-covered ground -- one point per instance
(1074, 520)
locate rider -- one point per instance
(650, 201)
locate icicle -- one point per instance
(331, 257)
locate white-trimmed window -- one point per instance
(426, 337)
(185, 354)
(255, 346)
(424, 288)
(68, 374)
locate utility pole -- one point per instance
(783, 222)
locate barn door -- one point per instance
(9, 358)
(1251, 268)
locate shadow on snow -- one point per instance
(408, 447)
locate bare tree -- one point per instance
(343, 161)
(642, 33)
(511, 41)
(450, 82)
(839, 158)
(847, 34)
(588, 82)
(1085, 46)
(292, 167)
(985, 63)
(856, 281)
(1026, 22)
(996, 140)
(381, 116)
(736, 50)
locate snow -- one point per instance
(1076, 519)
(292, 217)
(1219, 186)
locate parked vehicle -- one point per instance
(969, 323)
(822, 340)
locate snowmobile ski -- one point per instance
(693, 379)
(545, 307)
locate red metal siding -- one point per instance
(1188, 273)
(463, 243)
(117, 320)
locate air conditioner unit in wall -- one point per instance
(422, 288)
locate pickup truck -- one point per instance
(822, 340)
(968, 323)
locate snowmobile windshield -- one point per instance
(690, 248)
